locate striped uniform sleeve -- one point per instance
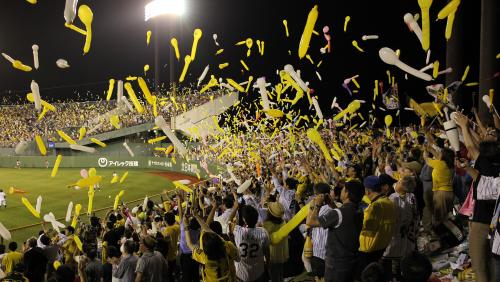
(320, 235)
(488, 188)
(331, 219)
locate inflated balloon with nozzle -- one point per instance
(86, 17)
(425, 5)
(388, 56)
(351, 108)
(413, 25)
(315, 137)
(70, 11)
(175, 44)
(388, 122)
(197, 35)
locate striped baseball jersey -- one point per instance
(251, 243)
(319, 236)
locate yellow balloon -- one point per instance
(223, 65)
(235, 85)
(20, 66)
(56, 166)
(187, 62)
(82, 133)
(66, 137)
(351, 108)
(92, 172)
(78, 208)
(283, 232)
(174, 44)
(98, 142)
(148, 37)
(117, 199)
(41, 145)
(86, 16)
(146, 68)
(425, 5)
(197, 35)
(91, 200)
(388, 120)
(315, 137)
(115, 179)
(133, 97)
(115, 121)
(275, 113)
(449, 26)
(124, 176)
(110, 89)
(181, 186)
(308, 29)
(78, 243)
(449, 9)
(57, 264)
(28, 205)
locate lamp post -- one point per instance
(154, 9)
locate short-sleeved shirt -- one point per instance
(153, 267)
(344, 226)
(2, 196)
(172, 232)
(251, 243)
(126, 269)
(10, 260)
(218, 270)
(442, 176)
(483, 209)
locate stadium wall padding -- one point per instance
(167, 164)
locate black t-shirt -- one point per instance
(35, 263)
(483, 209)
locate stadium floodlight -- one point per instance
(162, 7)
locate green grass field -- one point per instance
(56, 195)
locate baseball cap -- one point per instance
(372, 182)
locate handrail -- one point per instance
(102, 209)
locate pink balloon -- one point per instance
(84, 173)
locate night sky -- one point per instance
(119, 44)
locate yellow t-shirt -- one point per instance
(173, 233)
(10, 260)
(69, 248)
(218, 270)
(442, 176)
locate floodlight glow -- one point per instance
(162, 7)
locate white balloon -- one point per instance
(296, 76)
(203, 74)
(317, 108)
(68, 212)
(36, 94)
(130, 152)
(388, 56)
(119, 91)
(62, 63)
(412, 23)
(38, 207)
(70, 11)
(369, 37)
(21, 147)
(261, 84)
(35, 56)
(82, 148)
(4, 232)
(161, 123)
(487, 101)
(184, 181)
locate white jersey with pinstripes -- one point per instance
(251, 243)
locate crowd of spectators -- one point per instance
(21, 122)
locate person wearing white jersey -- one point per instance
(253, 245)
(3, 201)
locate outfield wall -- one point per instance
(182, 166)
